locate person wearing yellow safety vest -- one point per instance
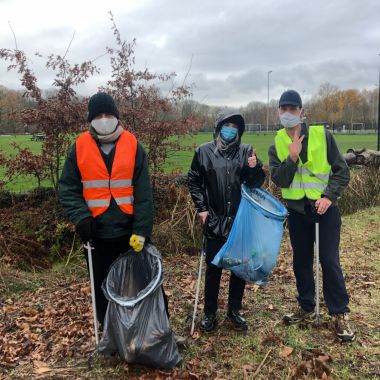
(306, 164)
(105, 190)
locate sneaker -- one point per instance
(342, 328)
(298, 315)
(237, 320)
(208, 323)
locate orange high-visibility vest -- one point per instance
(98, 185)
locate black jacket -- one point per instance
(215, 179)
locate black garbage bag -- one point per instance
(136, 325)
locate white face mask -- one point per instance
(288, 120)
(105, 125)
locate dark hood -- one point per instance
(232, 116)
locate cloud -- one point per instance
(231, 45)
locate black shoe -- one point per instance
(237, 320)
(208, 323)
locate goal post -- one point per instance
(254, 128)
(357, 127)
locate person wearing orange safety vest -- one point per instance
(306, 164)
(105, 190)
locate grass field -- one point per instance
(180, 160)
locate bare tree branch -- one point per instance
(188, 71)
(99, 56)
(68, 47)
(14, 35)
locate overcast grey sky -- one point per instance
(232, 44)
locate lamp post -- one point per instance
(268, 102)
(378, 114)
(374, 107)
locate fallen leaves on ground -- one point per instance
(52, 325)
(315, 366)
(285, 352)
(48, 325)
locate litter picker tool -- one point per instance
(316, 255)
(198, 286)
(89, 254)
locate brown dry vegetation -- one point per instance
(46, 329)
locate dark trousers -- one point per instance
(105, 252)
(212, 281)
(302, 236)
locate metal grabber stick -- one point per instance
(316, 248)
(89, 253)
(198, 286)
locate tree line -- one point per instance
(331, 106)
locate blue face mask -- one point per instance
(228, 133)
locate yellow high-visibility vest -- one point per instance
(312, 176)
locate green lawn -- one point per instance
(25, 141)
(181, 160)
(22, 183)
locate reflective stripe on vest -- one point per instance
(98, 185)
(106, 183)
(322, 177)
(312, 177)
(125, 200)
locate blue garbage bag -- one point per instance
(253, 244)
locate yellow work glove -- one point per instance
(137, 242)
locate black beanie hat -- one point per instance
(101, 103)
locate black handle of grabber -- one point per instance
(314, 212)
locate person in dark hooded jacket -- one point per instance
(217, 171)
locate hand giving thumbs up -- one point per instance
(252, 161)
